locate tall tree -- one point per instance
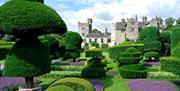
(96, 31)
(169, 22)
(178, 22)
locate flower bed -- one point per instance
(151, 85)
(152, 63)
(98, 84)
(6, 82)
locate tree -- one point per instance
(150, 38)
(178, 23)
(72, 42)
(41, 1)
(169, 22)
(96, 31)
(29, 56)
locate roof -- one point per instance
(98, 35)
(120, 25)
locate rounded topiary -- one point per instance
(22, 61)
(59, 88)
(93, 72)
(25, 19)
(78, 84)
(133, 71)
(151, 54)
(175, 37)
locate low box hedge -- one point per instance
(133, 71)
(93, 53)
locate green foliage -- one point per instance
(24, 19)
(78, 84)
(41, 1)
(165, 38)
(169, 22)
(133, 71)
(46, 82)
(72, 54)
(115, 51)
(104, 46)
(66, 68)
(96, 31)
(151, 54)
(62, 74)
(27, 60)
(93, 72)
(60, 88)
(171, 64)
(176, 51)
(162, 75)
(72, 41)
(175, 37)
(94, 53)
(94, 44)
(5, 48)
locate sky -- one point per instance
(106, 12)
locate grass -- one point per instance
(115, 84)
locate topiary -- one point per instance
(175, 37)
(133, 71)
(151, 54)
(78, 84)
(27, 20)
(60, 88)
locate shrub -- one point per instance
(130, 56)
(78, 84)
(115, 51)
(93, 53)
(162, 75)
(46, 82)
(133, 71)
(175, 37)
(60, 88)
(151, 54)
(171, 64)
(93, 72)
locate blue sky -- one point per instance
(106, 12)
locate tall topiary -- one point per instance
(151, 40)
(29, 57)
(72, 42)
(165, 38)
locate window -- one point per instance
(109, 40)
(89, 40)
(101, 40)
(132, 29)
(83, 34)
(95, 40)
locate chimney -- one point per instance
(123, 20)
(106, 30)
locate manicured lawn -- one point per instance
(115, 84)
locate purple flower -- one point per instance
(151, 85)
(77, 63)
(152, 63)
(98, 84)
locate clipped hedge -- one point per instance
(23, 20)
(175, 37)
(60, 88)
(133, 71)
(171, 64)
(151, 54)
(78, 84)
(115, 51)
(93, 53)
(93, 72)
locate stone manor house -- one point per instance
(129, 28)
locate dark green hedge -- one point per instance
(24, 18)
(175, 37)
(93, 72)
(115, 51)
(151, 54)
(41, 1)
(165, 38)
(133, 71)
(27, 60)
(5, 48)
(171, 64)
(93, 53)
(72, 41)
